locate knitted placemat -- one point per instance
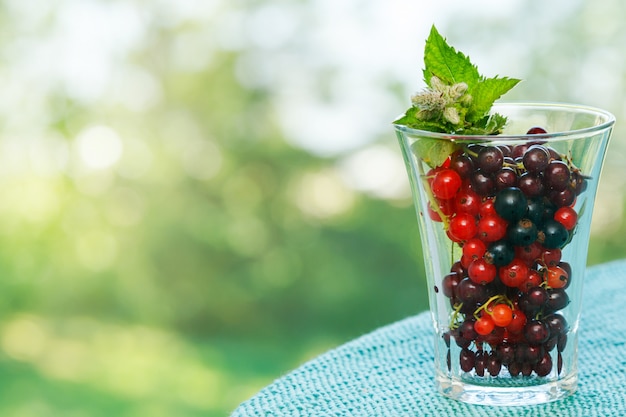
(389, 372)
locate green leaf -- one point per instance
(411, 120)
(433, 151)
(488, 125)
(485, 93)
(446, 63)
(495, 124)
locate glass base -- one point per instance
(506, 395)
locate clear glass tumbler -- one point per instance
(504, 223)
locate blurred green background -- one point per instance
(198, 196)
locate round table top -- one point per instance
(389, 372)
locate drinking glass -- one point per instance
(505, 235)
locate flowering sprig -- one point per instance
(457, 99)
(441, 102)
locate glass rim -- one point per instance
(609, 121)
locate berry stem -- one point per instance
(470, 152)
(454, 320)
(499, 298)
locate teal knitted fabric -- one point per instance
(389, 372)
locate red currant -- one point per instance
(502, 315)
(462, 227)
(446, 184)
(433, 215)
(551, 257)
(466, 261)
(514, 274)
(484, 325)
(518, 321)
(492, 228)
(567, 216)
(529, 253)
(445, 206)
(487, 208)
(481, 272)
(430, 175)
(556, 277)
(467, 201)
(474, 248)
(534, 280)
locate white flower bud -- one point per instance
(451, 115)
(436, 84)
(457, 90)
(427, 114)
(429, 100)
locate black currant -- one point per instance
(548, 210)
(458, 268)
(522, 233)
(534, 353)
(551, 343)
(557, 300)
(490, 159)
(554, 155)
(493, 364)
(470, 293)
(506, 150)
(462, 164)
(467, 359)
(536, 130)
(562, 198)
(531, 185)
(544, 366)
(460, 340)
(556, 176)
(536, 332)
(500, 253)
(535, 210)
(521, 352)
(536, 159)
(555, 235)
(449, 284)
(515, 368)
(480, 362)
(505, 178)
(506, 353)
(510, 204)
(519, 150)
(483, 183)
(466, 329)
(557, 323)
(532, 301)
(561, 343)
